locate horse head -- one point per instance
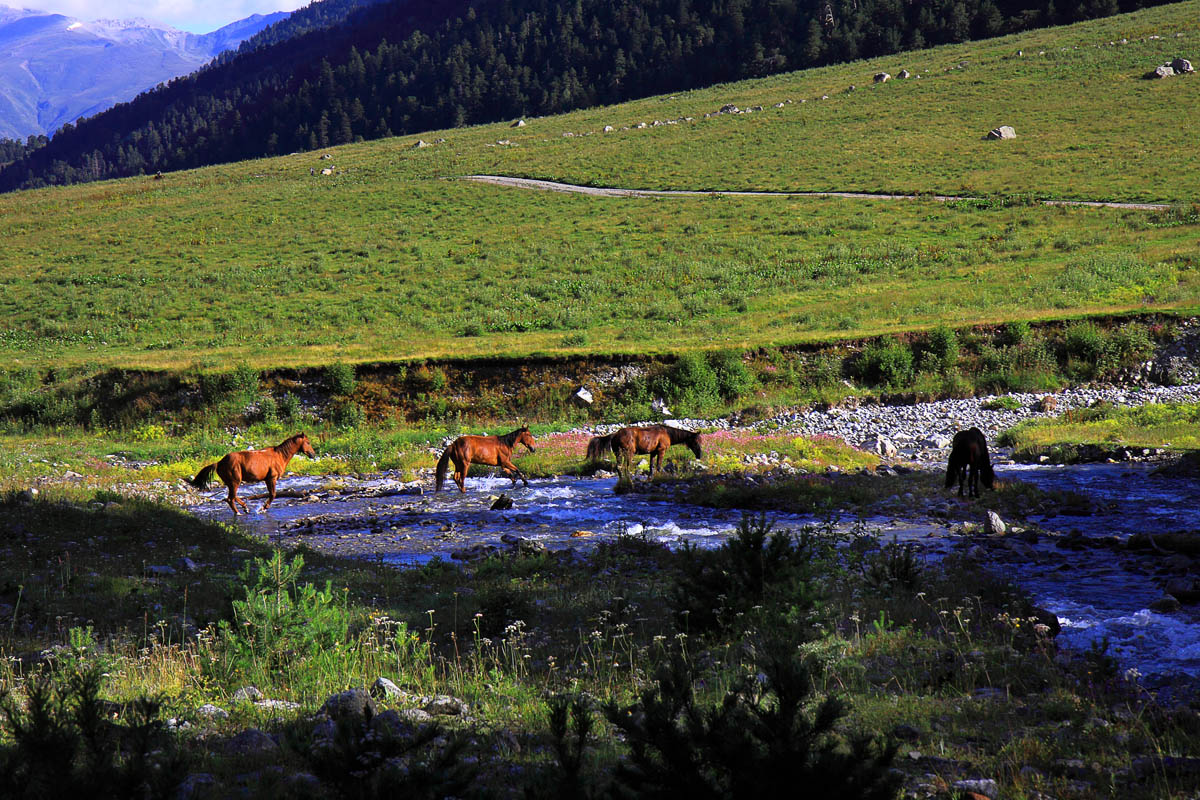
(987, 476)
(305, 447)
(694, 445)
(524, 437)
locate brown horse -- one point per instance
(653, 440)
(495, 451)
(246, 466)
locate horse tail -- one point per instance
(441, 469)
(204, 476)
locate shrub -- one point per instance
(340, 379)
(243, 381)
(280, 622)
(347, 414)
(760, 738)
(756, 569)
(887, 363)
(1016, 333)
(61, 742)
(289, 407)
(690, 383)
(941, 350)
(1005, 403)
(733, 377)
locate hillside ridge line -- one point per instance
(601, 191)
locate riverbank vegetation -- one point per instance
(1108, 430)
(937, 670)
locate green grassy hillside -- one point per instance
(390, 257)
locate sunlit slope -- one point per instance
(391, 257)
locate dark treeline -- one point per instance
(14, 149)
(410, 65)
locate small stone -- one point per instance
(248, 694)
(212, 712)
(252, 741)
(882, 77)
(1182, 66)
(1003, 132)
(419, 144)
(444, 704)
(904, 74)
(993, 525)
(350, 704)
(386, 689)
(984, 786)
(1162, 71)
(518, 124)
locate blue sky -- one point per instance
(197, 16)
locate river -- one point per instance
(1098, 594)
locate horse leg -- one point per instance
(232, 499)
(973, 480)
(511, 468)
(460, 474)
(270, 479)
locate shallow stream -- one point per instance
(1097, 593)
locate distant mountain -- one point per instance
(55, 69)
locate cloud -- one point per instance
(198, 16)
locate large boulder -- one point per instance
(1181, 66)
(993, 525)
(1003, 132)
(882, 77)
(1161, 71)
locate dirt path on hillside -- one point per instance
(600, 191)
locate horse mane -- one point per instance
(510, 438)
(291, 444)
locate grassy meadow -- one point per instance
(392, 258)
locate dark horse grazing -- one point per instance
(653, 440)
(246, 466)
(969, 462)
(493, 450)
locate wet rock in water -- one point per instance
(1185, 590)
(1166, 604)
(355, 704)
(502, 503)
(993, 525)
(251, 741)
(248, 694)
